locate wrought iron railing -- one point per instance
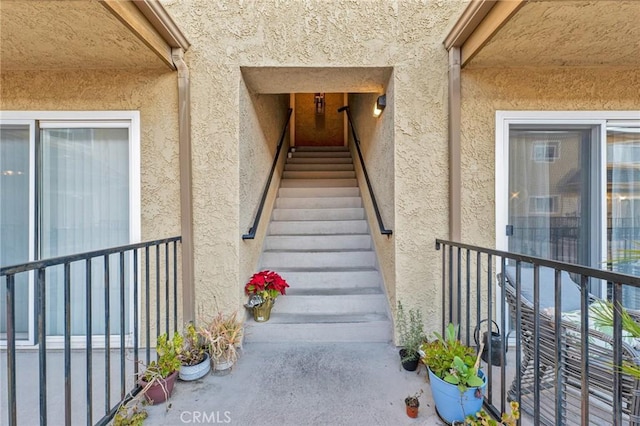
(564, 365)
(137, 291)
(356, 143)
(256, 221)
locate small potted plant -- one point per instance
(456, 381)
(411, 336)
(263, 288)
(194, 358)
(412, 404)
(222, 337)
(160, 376)
(484, 419)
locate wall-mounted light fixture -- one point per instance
(318, 99)
(381, 102)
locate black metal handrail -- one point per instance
(383, 230)
(551, 353)
(254, 228)
(132, 252)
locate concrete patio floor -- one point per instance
(271, 384)
(303, 384)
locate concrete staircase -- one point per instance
(319, 241)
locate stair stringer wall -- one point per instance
(377, 146)
(262, 118)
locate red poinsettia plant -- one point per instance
(266, 284)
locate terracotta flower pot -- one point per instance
(412, 412)
(161, 389)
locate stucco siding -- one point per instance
(404, 35)
(377, 146)
(154, 95)
(487, 90)
(261, 123)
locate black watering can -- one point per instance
(497, 351)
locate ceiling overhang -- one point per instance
(548, 33)
(272, 80)
(87, 34)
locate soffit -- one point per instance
(271, 80)
(68, 34)
(566, 33)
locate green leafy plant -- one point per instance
(193, 348)
(451, 360)
(410, 331)
(168, 357)
(484, 419)
(132, 414)
(603, 317)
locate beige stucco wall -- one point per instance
(484, 91)
(155, 95)
(404, 35)
(377, 146)
(261, 126)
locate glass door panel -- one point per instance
(15, 225)
(551, 184)
(84, 207)
(623, 201)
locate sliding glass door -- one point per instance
(68, 186)
(568, 188)
(551, 187)
(623, 199)
(16, 219)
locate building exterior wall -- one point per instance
(377, 146)
(155, 95)
(404, 35)
(486, 90)
(261, 125)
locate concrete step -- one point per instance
(317, 167)
(318, 242)
(319, 192)
(320, 328)
(321, 154)
(280, 259)
(319, 174)
(331, 305)
(334, 278)
(351, 291)
(320, 148)
(318, 227)
(318, 183)
(319, 160)
(318, 214)
(318, 203)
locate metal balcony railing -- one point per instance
(139, 280)
(563, 366)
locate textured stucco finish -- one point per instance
(405, 35)
(262, 120)
(567, 33)
(377, 146)
(68, 34)
(487, 90)
(155, 95)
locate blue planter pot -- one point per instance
(452, 405)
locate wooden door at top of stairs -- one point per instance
(313, 129)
